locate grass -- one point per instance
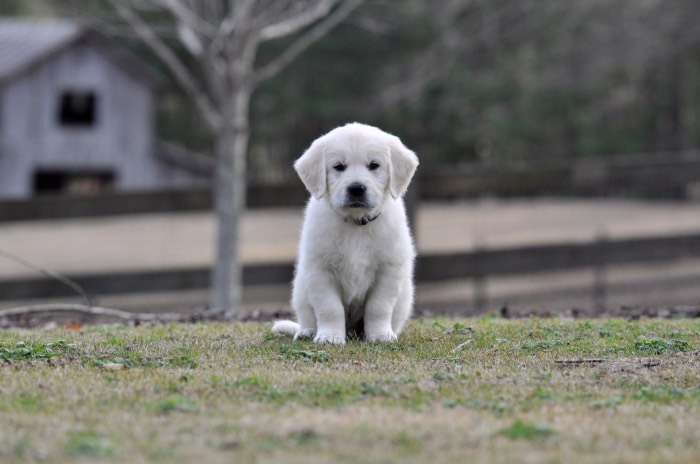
(487, 390)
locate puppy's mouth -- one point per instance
(357, 204)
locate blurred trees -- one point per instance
(497, 80)
(23, 7)
(484, 80)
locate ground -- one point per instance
(484, 390)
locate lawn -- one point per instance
(480, 390)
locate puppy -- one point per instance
(354, 272)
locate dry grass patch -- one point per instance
(487, 389)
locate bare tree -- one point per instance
(222, 39)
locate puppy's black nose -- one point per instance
(356, 190)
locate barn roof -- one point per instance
(25, 43)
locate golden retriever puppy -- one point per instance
(354, 272)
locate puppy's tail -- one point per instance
(290, 328)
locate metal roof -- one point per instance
(27, 42)
(23, 43)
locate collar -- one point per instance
(364, 220)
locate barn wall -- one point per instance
(120, 141)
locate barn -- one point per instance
(77, 116)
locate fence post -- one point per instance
(479, 281)
(600, 289)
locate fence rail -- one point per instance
(539, 258)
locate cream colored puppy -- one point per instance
(354, 272)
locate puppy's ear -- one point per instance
(403, 165)
(311, 169)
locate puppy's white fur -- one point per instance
(354, 272)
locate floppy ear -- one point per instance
(312, 170)
(403, 165)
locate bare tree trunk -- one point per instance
(223, 42)
(231, 146)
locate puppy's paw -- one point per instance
(305, 334)
(330, 337)
(382, 337)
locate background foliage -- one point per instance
(461, 80)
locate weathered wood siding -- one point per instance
(120, 141)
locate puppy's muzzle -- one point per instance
(356, 196)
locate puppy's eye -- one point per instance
(340, 167)
(373, 165)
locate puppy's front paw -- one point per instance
(330, 337)
(305, 334)
(382, 337)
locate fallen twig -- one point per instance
(650, 363)
(460, 346)
(579, 361)
(110, 312)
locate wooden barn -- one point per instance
(77, 116)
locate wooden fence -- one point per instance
(477, 265)
(597, 255)
(568, 256)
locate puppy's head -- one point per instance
(356, 167)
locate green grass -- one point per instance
(486, 390)
(519, 430)
(33, 349)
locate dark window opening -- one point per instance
(73, 183)
(77, 109)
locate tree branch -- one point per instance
(238, 14)
(189, 18)
(449, 47)
(298, 22)
(49, 273)
(305, 41)
(182, 75)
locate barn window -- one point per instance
(77, 108)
